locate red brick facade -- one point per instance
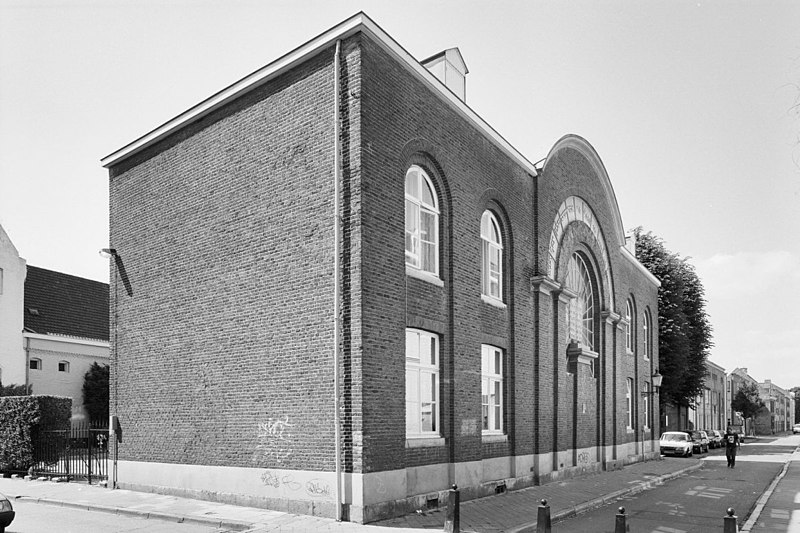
(222, 308)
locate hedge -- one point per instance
(21, 419)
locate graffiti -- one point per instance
(317, 487)
(272, 479)
(583, 458)
(275, 439)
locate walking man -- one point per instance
(731, 443)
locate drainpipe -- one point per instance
(27, 364)
(336, 281)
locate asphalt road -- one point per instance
(43, 518)
(696, 502)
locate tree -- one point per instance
(684, 330)
(95, 392)
(747, 401)
(15, 390)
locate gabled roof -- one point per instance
(359, 22)
(60, 304)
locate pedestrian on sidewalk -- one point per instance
(731, 439)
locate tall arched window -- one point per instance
(646, 334)
(629, 326)
(581, 308)
(491, 257)
(422, 222)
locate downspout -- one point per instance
(27, 365)
(337, 175)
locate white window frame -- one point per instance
(420, 206)
(65, 366)
(646, 397)
(629, 401)
(646, 331)
(492, 380)
(35, 363)
(629, 326)
(580, 317)
(422, 372)
(491, 246)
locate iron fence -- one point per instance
(79, 453)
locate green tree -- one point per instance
(15, 390)
(95, 392)
(747, 401)
(684, 330)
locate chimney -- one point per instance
(451, 70)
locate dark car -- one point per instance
(699, 441)
(6, 513)
(714, 438)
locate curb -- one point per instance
(235, 525)
(752, 519)
(607, 498)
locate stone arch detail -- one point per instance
(575, 210)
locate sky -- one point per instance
(692, 106)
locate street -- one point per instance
(696, 502)
(39, 518)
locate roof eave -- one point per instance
(357, 23)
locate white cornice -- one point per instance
(632, 258)
(69, 340)
(357, 23)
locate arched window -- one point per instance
(629, 326)
(491, 257)
(581, 308)
(422, 222)
(646, 334)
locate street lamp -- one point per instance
(657, 380)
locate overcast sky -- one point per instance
(688, 104)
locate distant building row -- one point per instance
(53, 326)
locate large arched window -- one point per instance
(581, 314)
(491, 257)
(646, 333)
(422, 222)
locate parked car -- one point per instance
(714, 438)
(699, 441)
(676, 443)
(6, 513)
(795, 429)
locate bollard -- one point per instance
(543, 523)
(620, 525)
(729, 521)
(452, 522)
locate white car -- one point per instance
(676, 443)
(795, 429)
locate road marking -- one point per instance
(664, 529)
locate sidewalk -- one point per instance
(512, 512)
(778, 510)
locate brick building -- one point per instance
(709, 409)
(273, 342)
(778, 402)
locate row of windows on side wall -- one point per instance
(422, 235)
(646, 331)
(422, 386)
(36, 364)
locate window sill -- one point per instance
(628, 351)
(494, 437)
(424, 276)
(424, 442)
(630, 431)
(491, 300)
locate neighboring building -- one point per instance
(736, 380)
(12, 279)
(66, 330)
(779, 403)
(336, 288)
(709, 411)
(53, 326)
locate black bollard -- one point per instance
(729, 521)
(620, 525)
(452, 522)
(543, 523)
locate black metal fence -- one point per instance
(79, 453)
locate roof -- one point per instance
(61, 304)
(359, 22)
